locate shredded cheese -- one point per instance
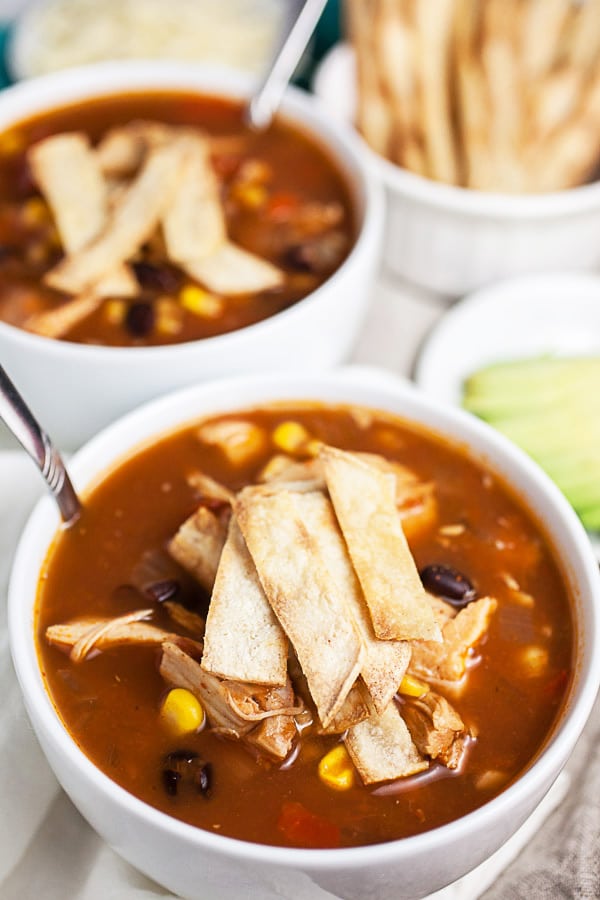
(62, 33)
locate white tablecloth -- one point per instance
(48, 851)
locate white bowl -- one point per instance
(197, 864)
(453, 240)
(77, 389)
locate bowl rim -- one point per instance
(454, 198)
(303, 111)
(351, 386)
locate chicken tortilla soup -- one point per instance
(306, 625)
(158, 218)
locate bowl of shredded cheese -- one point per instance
(58, 34)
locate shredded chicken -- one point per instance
(436, 728)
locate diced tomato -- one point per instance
(305, 829)
(282, 204)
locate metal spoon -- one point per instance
(267, 97)
(21, 421)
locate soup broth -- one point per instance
(114, 561)
(275, 197)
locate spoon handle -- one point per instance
(267, 97)
(21, 422)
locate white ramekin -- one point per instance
(453, 240)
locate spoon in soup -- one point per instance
(24, 426)
(267, 96)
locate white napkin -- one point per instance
(47, 850)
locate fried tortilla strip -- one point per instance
(198, 544)
(230, 270)
(382, 749)
(570, 156)
(433, 19)
(179, 670)
(385, 662)
(65, 169)
(372, 113)
(310, 606)
(131, 223)
(395, 48)
(57, 322)
(415, 499)
(505, 90)
(68, 176)
(543, 25)
(448, 661)
(554, 100)
(364, 503)
(194, 221)
(473, 105)
(356, 707)
(584, 37)
(54, 323)
(243, 639)
(436, 728)
(123, 148)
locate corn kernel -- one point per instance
(290, 436)
(114, 311)
(11, 143)
(35, 212)
(313, 448)
(336, 770)
(534, 660)
(181, 712)
(200, 302)
(252, 196)
(412, 687)
(168, 316)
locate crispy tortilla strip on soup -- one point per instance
(208, 635)
(198, 545)
(382, 749)
(310, 606)
(243, 639)
(363, 499)
(132, 222)
(385, 662)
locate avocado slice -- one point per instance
(550, 407)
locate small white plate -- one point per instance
(556, 314)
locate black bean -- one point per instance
(186, 769)
(448, 583)
(155, 278)
(203, 779)
(140, 319)
(298, 257)
(160, 591)
(170, 781)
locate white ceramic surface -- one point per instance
(454, 240)
(196, 864)
(77, 389)
(534, 315)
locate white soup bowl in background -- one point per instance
(76, 389)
